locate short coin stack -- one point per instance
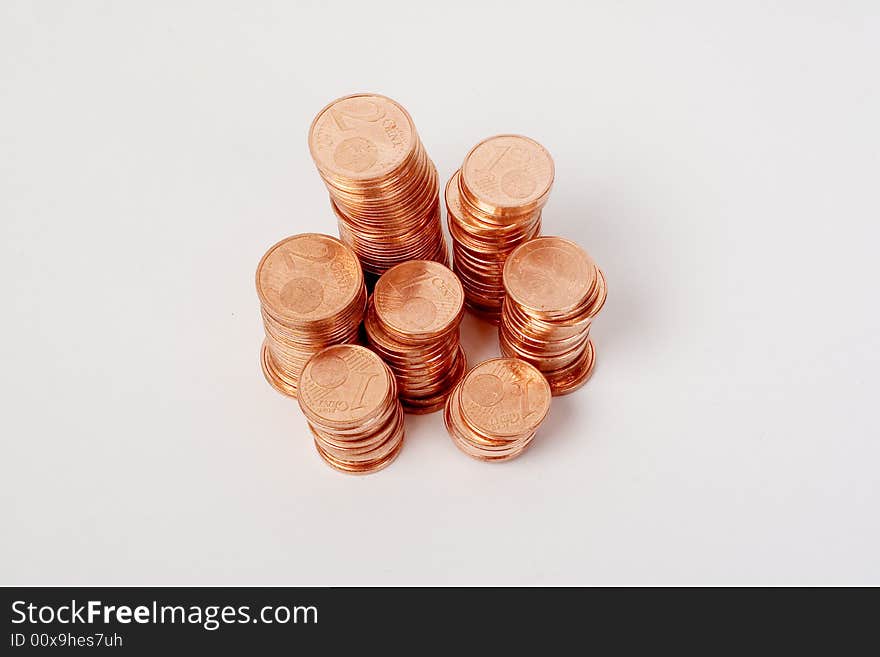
(494, 204)
(312, 294)
(412, 322)
(383, 186)
(349, 398)
(493, 414)
(554, 289)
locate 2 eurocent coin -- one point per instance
(361, 137)
(308, 278)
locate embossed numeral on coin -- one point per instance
(290, 254)
(369, 114)
(521, 154)
(421, 278)
(523, 391)
(361, 391)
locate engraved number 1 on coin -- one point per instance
(361, 392)
(501, 153)
(410, 283)
(523, 389)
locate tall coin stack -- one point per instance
(494, 204)
(412, 322)
(383, 186)
(495, 411)
(349, 398)
(312, 294)
(554, 289)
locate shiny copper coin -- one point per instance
(507, 175)
(343, 386)
(505, 397)
(361, 137)
(307, 278)
(553, 292)
(312, 294)
(419, 298)
(549, 275)
(494, 413)
(412, 322)
(493, 205)
(349, 398)
(383, 187)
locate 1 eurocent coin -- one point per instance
(349, 398)
(494, 203)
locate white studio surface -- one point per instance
(720, 161)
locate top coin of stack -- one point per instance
(494, 412)
(312, 294)
(494, 204)
(412, 322)
(349, 398)
(554, 289)
(383, 186)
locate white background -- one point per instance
(719, 160)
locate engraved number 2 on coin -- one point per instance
(358, 113)
(290, 254)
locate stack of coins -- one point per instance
(312, 294)
(494, 204)
(554, 289)
(493, 414)
(412, 322)
(349, 398)
(383, 186)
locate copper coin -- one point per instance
(419, 297)
(508, 172)
(361, 137)
(505, 397)
(308, 277)
(383, 187)
(553, 291)
(344, 385)
(549, 273)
